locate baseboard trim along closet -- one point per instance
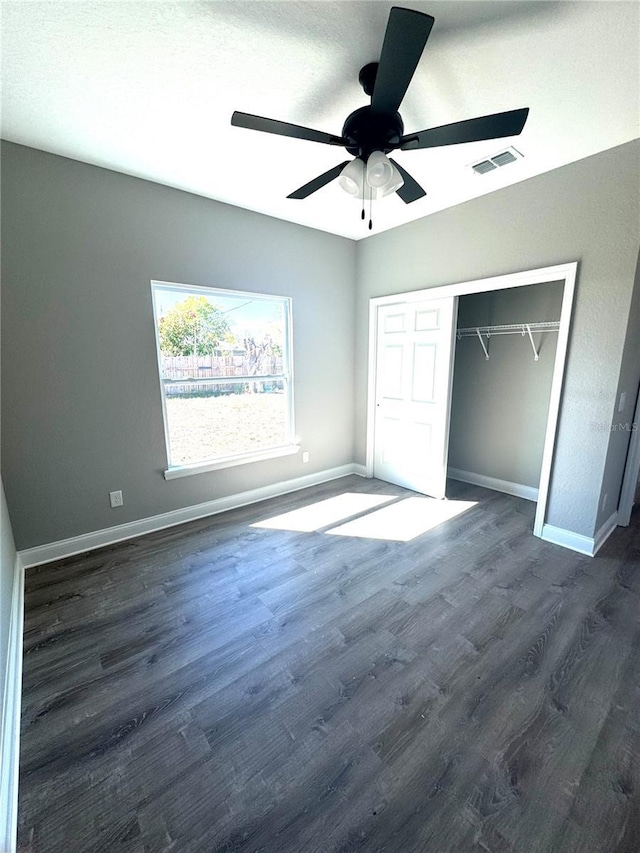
(110, 535)
(10, 732)
(529, 493)
(605, 531)
(589, 545)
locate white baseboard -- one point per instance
(605, 531)
(10, 731)
(110, 535)
(568, 539)
(589, 545)
(529, 493)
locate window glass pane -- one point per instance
(206, 334)
(226, 419)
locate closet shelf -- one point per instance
(523, 329)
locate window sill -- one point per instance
(176, 471)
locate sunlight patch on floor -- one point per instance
(404, 520)
(324, 513)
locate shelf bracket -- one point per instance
(536, 355)
(486, 353)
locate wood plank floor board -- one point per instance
(302, 815)
(558, 730)
(106, 719)
(606, 807)
(468, 773)
(163, 675)
(222, 687)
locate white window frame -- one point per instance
(291, 446)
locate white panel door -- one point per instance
(414, 368)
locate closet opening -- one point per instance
(465, 382)
(505, 346)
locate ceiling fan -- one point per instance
(372, 132)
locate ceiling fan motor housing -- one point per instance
(367, 131)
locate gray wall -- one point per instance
(7, 572)
(81, 402)
(586, 212)
(620, 422)
(499, 407)
(7, 578)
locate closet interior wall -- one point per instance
(499, 407)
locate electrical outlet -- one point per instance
(305, 457)
(115, 498)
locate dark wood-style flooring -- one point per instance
(225, 688)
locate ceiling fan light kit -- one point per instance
(351, 178)
(382, 175)
(376, 178)
(372, 132)
(379, 170)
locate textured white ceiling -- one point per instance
(148, 88)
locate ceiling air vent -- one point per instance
(484, 166)
(504, 158)
(501, 159)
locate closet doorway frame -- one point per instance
(631, 472)
(565, 273)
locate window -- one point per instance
(224, 360)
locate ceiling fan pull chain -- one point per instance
(370, 208)
(364, 185)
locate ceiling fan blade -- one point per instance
(283, 128)
(318, 183)
(471, 130)
(404, 40)
(411, 189)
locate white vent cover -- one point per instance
(509, 155)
